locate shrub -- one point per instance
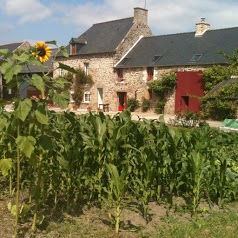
(132, 104)
(146, 104)
(162, 88)
(159, 108)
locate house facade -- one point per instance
(98, 50)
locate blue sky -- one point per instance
(59, 20)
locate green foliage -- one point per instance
(165, 85)
(216, 74)
(146, 104)
(132, 104)
(80, 80)
(64, 160)
(160, 104)
(221, 104)
(161, 88)
(28, 114)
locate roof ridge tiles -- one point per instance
(112, 21)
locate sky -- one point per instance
(60, 20)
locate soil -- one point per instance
(94, 222)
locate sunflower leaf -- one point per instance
(38, 82)
(66, 67)
(52, 42)
(23, 109)
(5, 166)
(64, 51)
(26, 144)
(41, 118)
(61, 99)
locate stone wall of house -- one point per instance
(135, 83)
(105, 78)
(134, 80)
(101, 70)
(137, 31)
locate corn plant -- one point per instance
(118, 186)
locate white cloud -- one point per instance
(72, 17)
(163, 16)
(27, 10)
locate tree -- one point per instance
(222, 103)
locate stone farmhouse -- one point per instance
(98, 50)
(122, 56)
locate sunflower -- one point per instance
(42, 51)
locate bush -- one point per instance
(146, 104)
(161, 88)
(218, 109)
(159, 108)
(132, 104)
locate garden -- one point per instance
(93, 175)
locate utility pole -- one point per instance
(145, 4)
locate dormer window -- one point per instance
(125, 61)
(196, 57)
(156, 58)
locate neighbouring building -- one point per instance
(28, 70)
(6, 93)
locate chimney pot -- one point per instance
(202, 27)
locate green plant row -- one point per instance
(95, 159)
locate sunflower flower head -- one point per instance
(41, 51)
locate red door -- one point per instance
(190, 86)
(121, 101)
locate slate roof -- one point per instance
(222, 84)
(103, 37)
(11, 46)
(178, 49)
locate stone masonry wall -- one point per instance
(132, 36)
(134, 80)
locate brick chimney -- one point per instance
(202, 27)
(140, 16)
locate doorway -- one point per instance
(100, 98)
(121, 101)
